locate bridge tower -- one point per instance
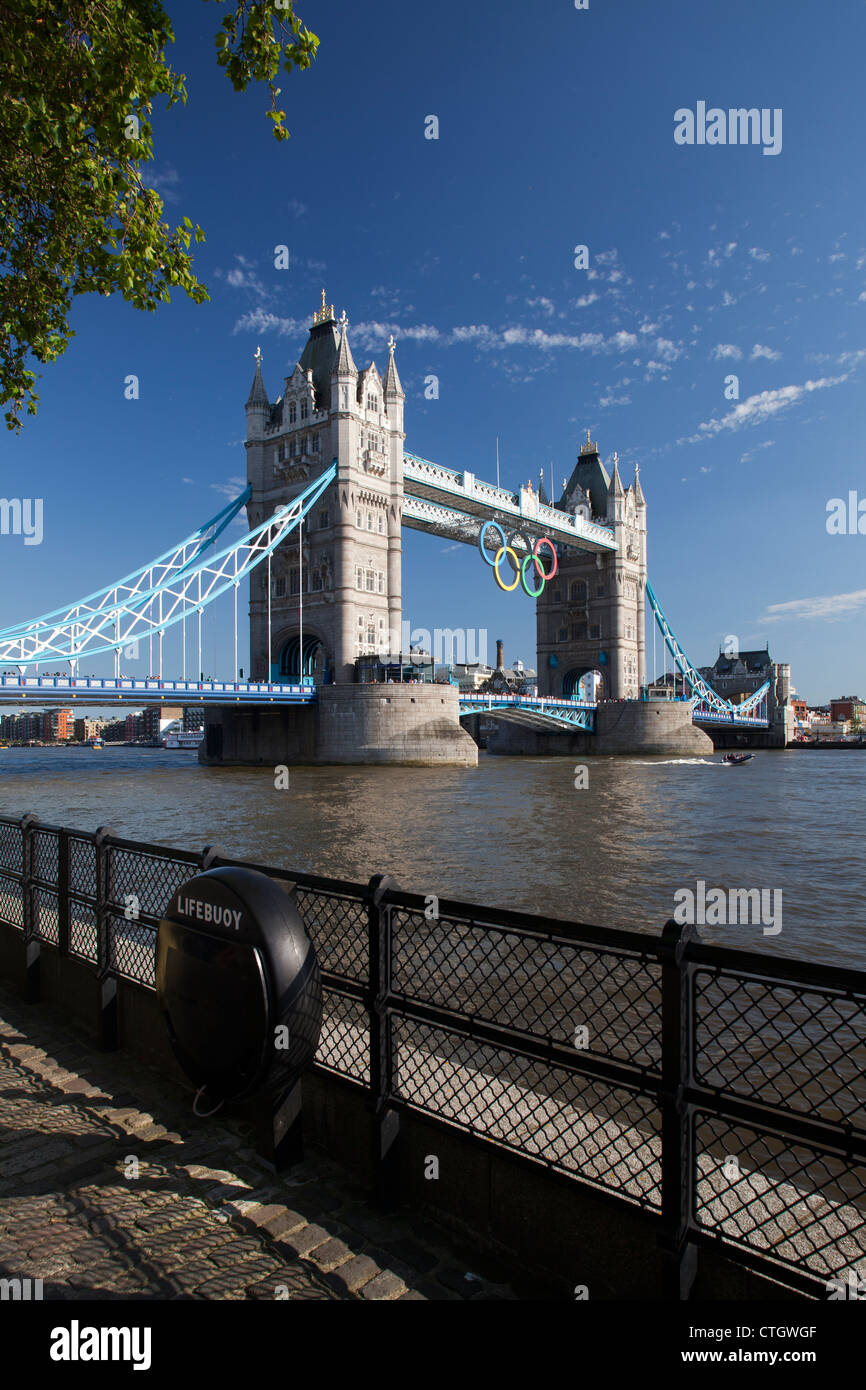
(591, 616)
(341, 596)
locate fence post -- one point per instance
(63, 892)
(106, 1028)
(677, 1121)
(386, 1120)
(31, 942)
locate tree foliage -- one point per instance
(78, 81)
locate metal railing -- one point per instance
(721, 1091)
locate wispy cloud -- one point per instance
(826, 606)
(764, 406)
(723, 350)
(164, 183)
(768, 352)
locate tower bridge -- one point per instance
(330, 488)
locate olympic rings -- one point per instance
(506, 550)
(518, 566)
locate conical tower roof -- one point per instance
(258, 395)
(616, 487)
(638, 490)
(392, 379)
(345, 362)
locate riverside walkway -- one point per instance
(110, 1188)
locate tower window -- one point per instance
(369, 521)
(578, 591)
(317, 581)
(294, 585)
(381, 524)
(305, 409)
(324, 521)
(280, 586)
(359, 580)
(359, 520)
(563, 635)
(293, 413)
(317, 443)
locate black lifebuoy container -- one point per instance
(235, 968)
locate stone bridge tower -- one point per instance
(591, 616)
(340, 598)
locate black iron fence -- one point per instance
(722, 1091)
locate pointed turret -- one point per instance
(616, 487)
(542, 495)
(258, 406)
(258, 395)
(638, 490)
(393, 389)
(345, 362)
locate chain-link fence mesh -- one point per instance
(503, 1026)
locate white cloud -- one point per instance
(542, 303)
(764, 406)
(827, 606)
(768, 352)
(723, 350)
(230, 488)
(667, 350)
(758, 254)
(165, 184)
(585, 300)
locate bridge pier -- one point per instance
(400, 725)
(622, 727)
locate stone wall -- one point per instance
(405, 725)
(622, 727)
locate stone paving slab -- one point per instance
(110, 1188)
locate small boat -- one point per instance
(734, 759)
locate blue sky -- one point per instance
(556, 128)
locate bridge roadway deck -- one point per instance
(205, 1218)
(95, 690)
(98, 691)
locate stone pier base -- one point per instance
(402, 725)
(622, 727)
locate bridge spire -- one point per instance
(258, 395)
(345, 362)
(616, 487)
(392, 379)
(638, 490)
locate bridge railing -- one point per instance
(723, 1092)
(150, 686)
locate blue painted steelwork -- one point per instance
(140, 582)
(182, 586)
(577, 715)
(92, 690)
(709, 706)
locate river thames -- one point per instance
(514, 833)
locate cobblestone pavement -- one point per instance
(110, 1188)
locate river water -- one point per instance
(514, 833)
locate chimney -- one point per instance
(500, 655)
